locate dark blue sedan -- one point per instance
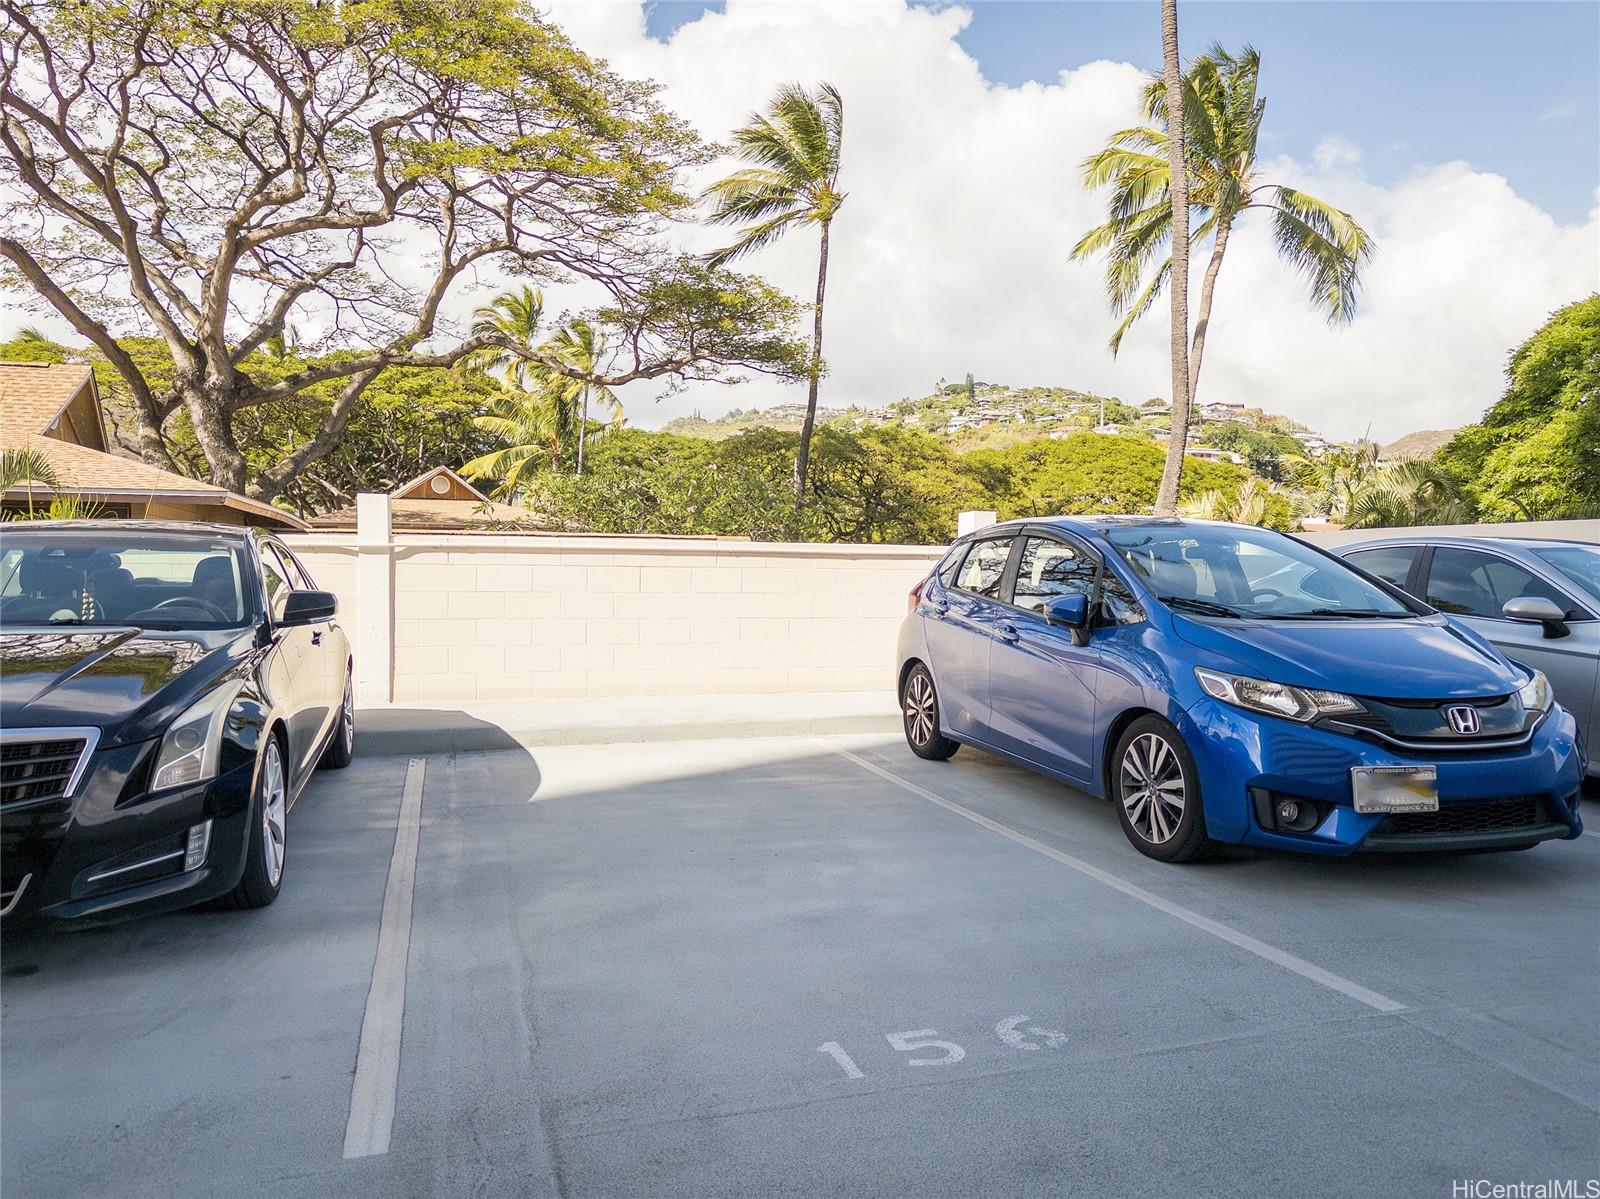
(1226, 684)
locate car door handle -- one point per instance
(941, 606)
(1008, 632)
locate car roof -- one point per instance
(1463, 539)
(169, 527)
(1099, 524)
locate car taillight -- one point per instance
(915, 597)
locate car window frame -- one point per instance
(1583, 613)
(1061, 537)
(263, 547)
(1007, 572)
(1416, 578)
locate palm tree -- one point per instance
(1332, 481)
(516, 316)
(28, 468)
(1403, 494)
(535, 432)
(795, 147)
(582, 346)
(1178, 220)
(1249, 505)
(1221, 127)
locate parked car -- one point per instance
(167, 691)
(1537, 600)
(1229, 684)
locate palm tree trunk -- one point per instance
(583, 427)
(802, 461)
(1202, 321)
(1171, 475)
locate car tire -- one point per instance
(1157, 792)
(265, 858)
(341, 749)
(919, 716)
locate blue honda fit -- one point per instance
(1230, 684)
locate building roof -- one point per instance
(454, 487)
(34, 394)
(32, 399)
(411, 515)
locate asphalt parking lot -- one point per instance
(804, 966)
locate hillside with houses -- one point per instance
(974, 414)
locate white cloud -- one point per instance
(951, 253)
(1560, 112)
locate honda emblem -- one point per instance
(1463, 719)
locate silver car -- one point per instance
(1538, 600)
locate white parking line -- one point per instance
(1233, 936)
(372, 1094)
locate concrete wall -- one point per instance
(1570, 530)
(485, 616)
(508, 616)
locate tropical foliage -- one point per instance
(794, 150)
(214, 171)
(1535, 455)
(1221, 128)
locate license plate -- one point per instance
(1395, 788)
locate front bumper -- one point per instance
(1241, 756)
(70, 857)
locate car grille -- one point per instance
(1486, 816)
(1421, 723)
(31, 771)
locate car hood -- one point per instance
(106, 677)
(1421, 658)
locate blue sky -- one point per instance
(1511, 87)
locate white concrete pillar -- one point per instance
(972, 521)
(374, 616)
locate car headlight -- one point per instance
(193, 742)
(1535, 694)
(1275, 699)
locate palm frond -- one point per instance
(1325, 245)
(754, 238)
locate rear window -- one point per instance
(984, 568)
(1391, 563)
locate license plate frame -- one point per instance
(1389, 789)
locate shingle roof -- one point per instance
(32, 395)
(438, 514)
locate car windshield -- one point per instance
(1580, 563)
(1235, 571)
(103, 578)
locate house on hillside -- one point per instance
(53, 409)
(1206, 454)
(438, 500)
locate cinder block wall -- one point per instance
(504, 616)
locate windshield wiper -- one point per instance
(1204, 607)
(1341, 613)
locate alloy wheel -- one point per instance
(1152, 788)
(920, 708)
(274, 813)
(347, 719)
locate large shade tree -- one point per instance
(1220, 130)
(794, 149)
(212, 171)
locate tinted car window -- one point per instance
(55, 576)
(276, 578)
(1391, 563)
(1048, 569)
(1473, 583)
(984, 568)
(1580, 563)
(1117, 605)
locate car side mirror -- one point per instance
(1535, 609)
(1071, 612)
(309, 607)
